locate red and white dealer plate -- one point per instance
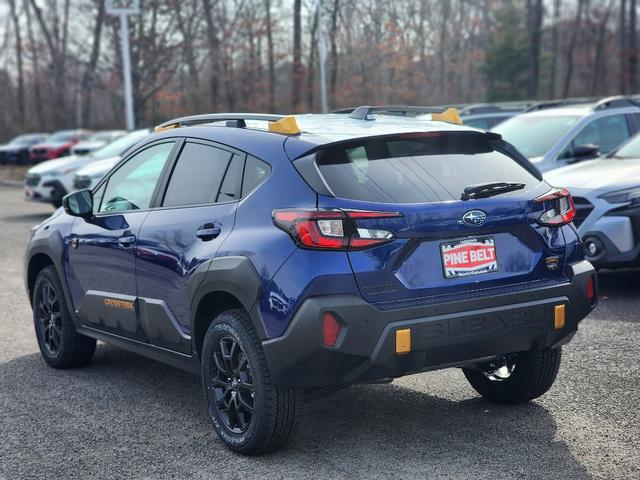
(471, 256)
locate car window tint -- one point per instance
(131, 186)
(255, 172)
(419, 169)
(606, 133)
(197, 176)
(230, 188)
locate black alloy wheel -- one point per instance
(232, 384)
(50, 318)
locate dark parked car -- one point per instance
(287, 262)
(57, 145)
(17, 150)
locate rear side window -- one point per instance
(255, 172)
(417, 168)
(197, 176)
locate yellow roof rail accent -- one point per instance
(162, 128)
(450, 115)
(286, 126)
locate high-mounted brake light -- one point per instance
(559, 208)
(333, 229)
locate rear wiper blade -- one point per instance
(484, 190)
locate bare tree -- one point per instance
(569, 57)
(90, 71)
(270, 55)
(18, 45)
(534, 26)
(297, 55)
(633, 47)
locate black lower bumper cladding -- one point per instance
(441, 336)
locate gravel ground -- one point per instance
(128, 417)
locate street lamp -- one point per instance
(124, 8)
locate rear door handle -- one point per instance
(127, 239)
(208, 232)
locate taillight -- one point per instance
(332, 229)
(559, 209)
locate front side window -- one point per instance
(198, 175)
(606, 133)
(132, 185)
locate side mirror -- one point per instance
(79, 204)
(583, 152)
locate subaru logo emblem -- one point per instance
(474, 218)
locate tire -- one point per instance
(251, 416)
(533, 375)
(60, 345)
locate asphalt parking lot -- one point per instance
(128, 417)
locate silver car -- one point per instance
(555, 137)
(606, 193)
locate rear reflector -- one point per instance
(559, 317)
(330, 329)
(403, 341)
(591, 290)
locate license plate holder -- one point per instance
(469, 256)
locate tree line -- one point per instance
(60, 63)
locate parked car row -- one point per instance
(51, 180)
(586, 144)
(39, 147)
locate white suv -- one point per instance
(51, 180)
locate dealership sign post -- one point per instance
(124, 8)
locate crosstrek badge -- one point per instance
(469, 257)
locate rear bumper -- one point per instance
(442, 336)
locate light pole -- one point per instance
(124, 8)
(322, 54)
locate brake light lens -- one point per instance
(332, 229)
(559, 208)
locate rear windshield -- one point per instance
(417, 168)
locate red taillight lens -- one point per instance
(330, 329)
(591, 290)
(332, 229)
(559, 208)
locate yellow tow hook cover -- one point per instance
(450, 115)
(559, 317)
(286, 126)
(403, 341)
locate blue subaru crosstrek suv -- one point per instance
(283, 258)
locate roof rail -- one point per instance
(544, 104)
(363, 113)
(479, 108)
(617, 101)
(232, 119)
